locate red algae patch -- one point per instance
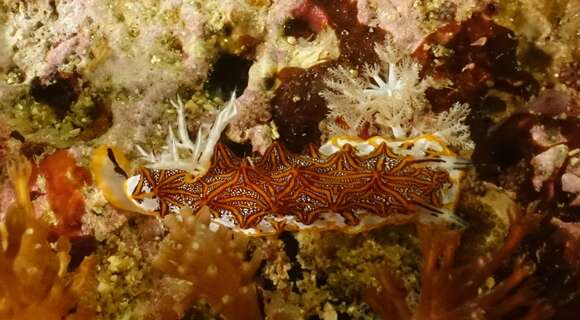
(450, 291)
(476, 55)
(64, 180)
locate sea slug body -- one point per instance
(406, 169)
(347, 184)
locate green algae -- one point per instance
(39, 123)
(336, 267)
(122, 276)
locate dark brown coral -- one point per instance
(297, 107)
(458, 292)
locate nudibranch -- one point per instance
(347, 184)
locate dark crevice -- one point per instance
(298, 28)
(239, 149)
(291, 247)
(228, 73)
(81, 247)
(60, 94)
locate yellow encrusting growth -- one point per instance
(212, 258)
(34, 280)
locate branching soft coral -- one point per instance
(33, 272)
(389, 99)
(450, 126)
(451, 292)
(213, 260)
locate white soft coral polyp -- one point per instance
(380, 87)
